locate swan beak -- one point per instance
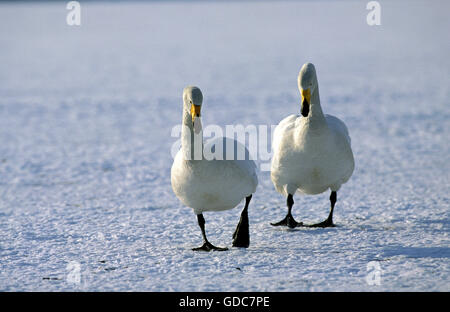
(195, 111)
(306, 100)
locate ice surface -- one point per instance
(86, 115)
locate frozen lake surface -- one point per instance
(86, 114)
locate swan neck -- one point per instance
(316, 114)
(191, 142)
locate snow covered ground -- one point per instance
(86, 114)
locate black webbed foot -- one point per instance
(288, 221)
(327, 223)
(207, 246)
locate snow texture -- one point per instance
(86, 114)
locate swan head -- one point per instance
(192, 105)
(307, 84)
(193, 99)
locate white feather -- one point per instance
(213, 185)
(312, 154)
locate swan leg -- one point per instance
(207, 246)
(241, 236)
(329, 221)
(289, 219)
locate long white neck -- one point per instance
(191, 142)
(315, 116)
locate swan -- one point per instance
(211, 184)
(311, 153)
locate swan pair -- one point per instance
(311, 154)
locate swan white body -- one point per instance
(311, 159)
(211, 184)
(312, 152)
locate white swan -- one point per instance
(311, 153)
(215, 184)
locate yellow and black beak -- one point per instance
(306, 101)
(195, 111)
